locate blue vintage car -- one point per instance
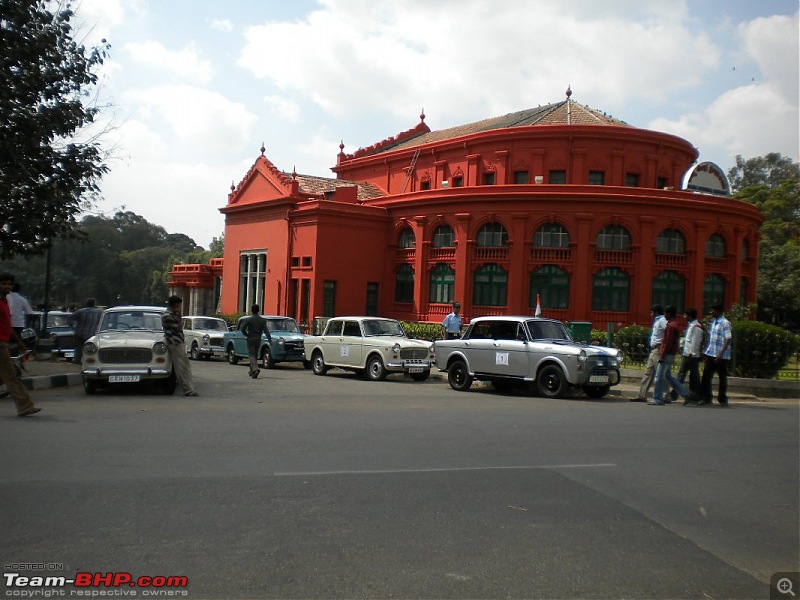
(287, 343)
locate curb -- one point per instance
(41, 382)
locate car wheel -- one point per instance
(375, 369)
(458, 376)
(231, 354)
(89, 386)
(318, 363)
(551, 381)
(169, 384)
(420, 376)
(594, 391)
(266, 358)
(195, 352)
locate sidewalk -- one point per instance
(49, 373)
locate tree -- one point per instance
(47, 174)
(769, 171)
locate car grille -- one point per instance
(294, 345)
(602, 370)
(413, 353)
(64, 341)
(126, 355)
(216, 341)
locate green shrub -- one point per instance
(422, 331)
(230, 319)
(599, 337)
(634, 343)
(760, 350)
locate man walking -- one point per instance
(253, 327)
(666, 358)
(692, 347)
(452, 323)
(22, 399)
(85, 320)
(656, 335)
(176, 342)
(718, 355)
(20, 308)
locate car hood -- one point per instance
(123, 339)
(288, 335)
(391, 340)
(590, 349)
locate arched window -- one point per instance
(490, 286)
(713, 291)
(611, 289)
(444, 237)
(669, 288)
(613, 237)
(407, 239)
(715, 246)
(404, 284)
(551, 235)
(745, 250)
(443, 279)
(552, 285)
(671, 241)
(492, 235)
(743, 289)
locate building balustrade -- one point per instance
(442, 254)
(670, 260)
(614, 257)
(551, 255)
(491, 253)
(716, 264)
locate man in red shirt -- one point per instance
(666, 358)
(25, 406)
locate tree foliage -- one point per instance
(46, 173)
(768, 171)
(119, 260)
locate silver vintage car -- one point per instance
(515, 350)
(371, 346)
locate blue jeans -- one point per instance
(664, 372)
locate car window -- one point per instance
(383, 327)
(57, 321)
(187, 324)
(334, 328)
(548, 330)
(283, 325)
(125, 321)
(351, 328)
(504, 330)
(210, 324)
(481, 331)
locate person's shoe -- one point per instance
(690, 399)
(638, 400)
(704, 403)
(31, 410)
(255, 375)
(724, 404)
(673, 395)
(655, 403)
(192, 393)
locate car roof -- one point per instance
(513, 318)
(201, 317)
(361, 318)
(136, 307)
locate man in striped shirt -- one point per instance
(176, 342)
(718, 355)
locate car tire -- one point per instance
(230, 353)
(318, 365)
(420, 376)
(89, 386)
(551, 382)
(376, 371)
(194, 353)
(594, 391)
(266, 358)
(169, 384)
(458, 376)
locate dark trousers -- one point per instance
(253, 346)
(720, 367)
(690, 365)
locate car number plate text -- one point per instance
(124, 378)
(598, 379)
(69, 355)
(416, 370)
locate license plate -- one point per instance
(124, 378)
(416, 370)
(69, 355)
(598, 379)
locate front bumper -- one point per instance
(600, 377)
(145, 374)
(406, 366)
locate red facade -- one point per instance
(559, 201)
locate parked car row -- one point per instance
(510, 351)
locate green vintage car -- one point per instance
(287, 343)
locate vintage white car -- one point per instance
(204, 336)
(371, 346)
(128, 347)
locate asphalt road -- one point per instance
(298, 486)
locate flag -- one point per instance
(538, 312)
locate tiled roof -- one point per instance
(316, 186)
(567, 112)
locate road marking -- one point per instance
(442, 470)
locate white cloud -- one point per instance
(185, 63)
(224, 25)
(283, 108)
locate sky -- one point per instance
(193, 88)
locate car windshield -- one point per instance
(129, 320)
(548, 330)
(57, 321)
(211, 324)
(383, 327)
(282, 325)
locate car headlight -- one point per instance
(90, 349)
(432, 348)
(53, 336)
(396, 348)
(206, 338)
(160, 348)
(582, 356)
(281, 341)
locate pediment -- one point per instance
(264, 182)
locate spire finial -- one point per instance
(569, 91)
(233, 186)
(341, 146)
(262, 149)
(294, 173)
(422, 115)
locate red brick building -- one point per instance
(561, 200)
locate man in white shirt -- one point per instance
(20, 308)
(656, 335)
(692, 346)
(452, 323)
